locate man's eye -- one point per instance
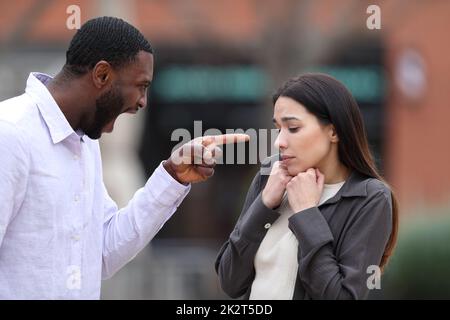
(293, 129)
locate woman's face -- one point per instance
(302, 140)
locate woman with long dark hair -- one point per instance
(323, 222)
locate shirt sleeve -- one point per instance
(14, 167)
(327, 276)
(234, 264)
(128, 230)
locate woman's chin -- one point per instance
(293, 170)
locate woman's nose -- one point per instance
(280, 141)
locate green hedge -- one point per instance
(420, 266)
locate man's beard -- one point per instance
(107, 107)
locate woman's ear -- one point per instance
(333, 134)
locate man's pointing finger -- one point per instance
(225, 138)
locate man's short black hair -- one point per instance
(105, 38)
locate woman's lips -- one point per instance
(285, 159)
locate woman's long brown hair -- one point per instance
(331, 102)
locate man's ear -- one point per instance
(333, 134)
(101, 74)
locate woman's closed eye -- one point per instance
(293, 129)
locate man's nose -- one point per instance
(142, 103)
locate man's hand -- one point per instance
(195, 160)
(305, 189)
(276, 185)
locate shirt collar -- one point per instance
(354, 186)
(55, 120)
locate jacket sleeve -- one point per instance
(327, 276)
(234, 263)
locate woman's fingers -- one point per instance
(311, 172)
(320, 178)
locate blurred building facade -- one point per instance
(399, 75)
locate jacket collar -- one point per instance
(354, 186)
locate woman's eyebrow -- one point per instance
(285, 119)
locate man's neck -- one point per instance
(67, 95)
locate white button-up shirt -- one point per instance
(60, 232)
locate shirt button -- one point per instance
(76, 157)
(267, 225)
(76, 237)
(77, 198)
